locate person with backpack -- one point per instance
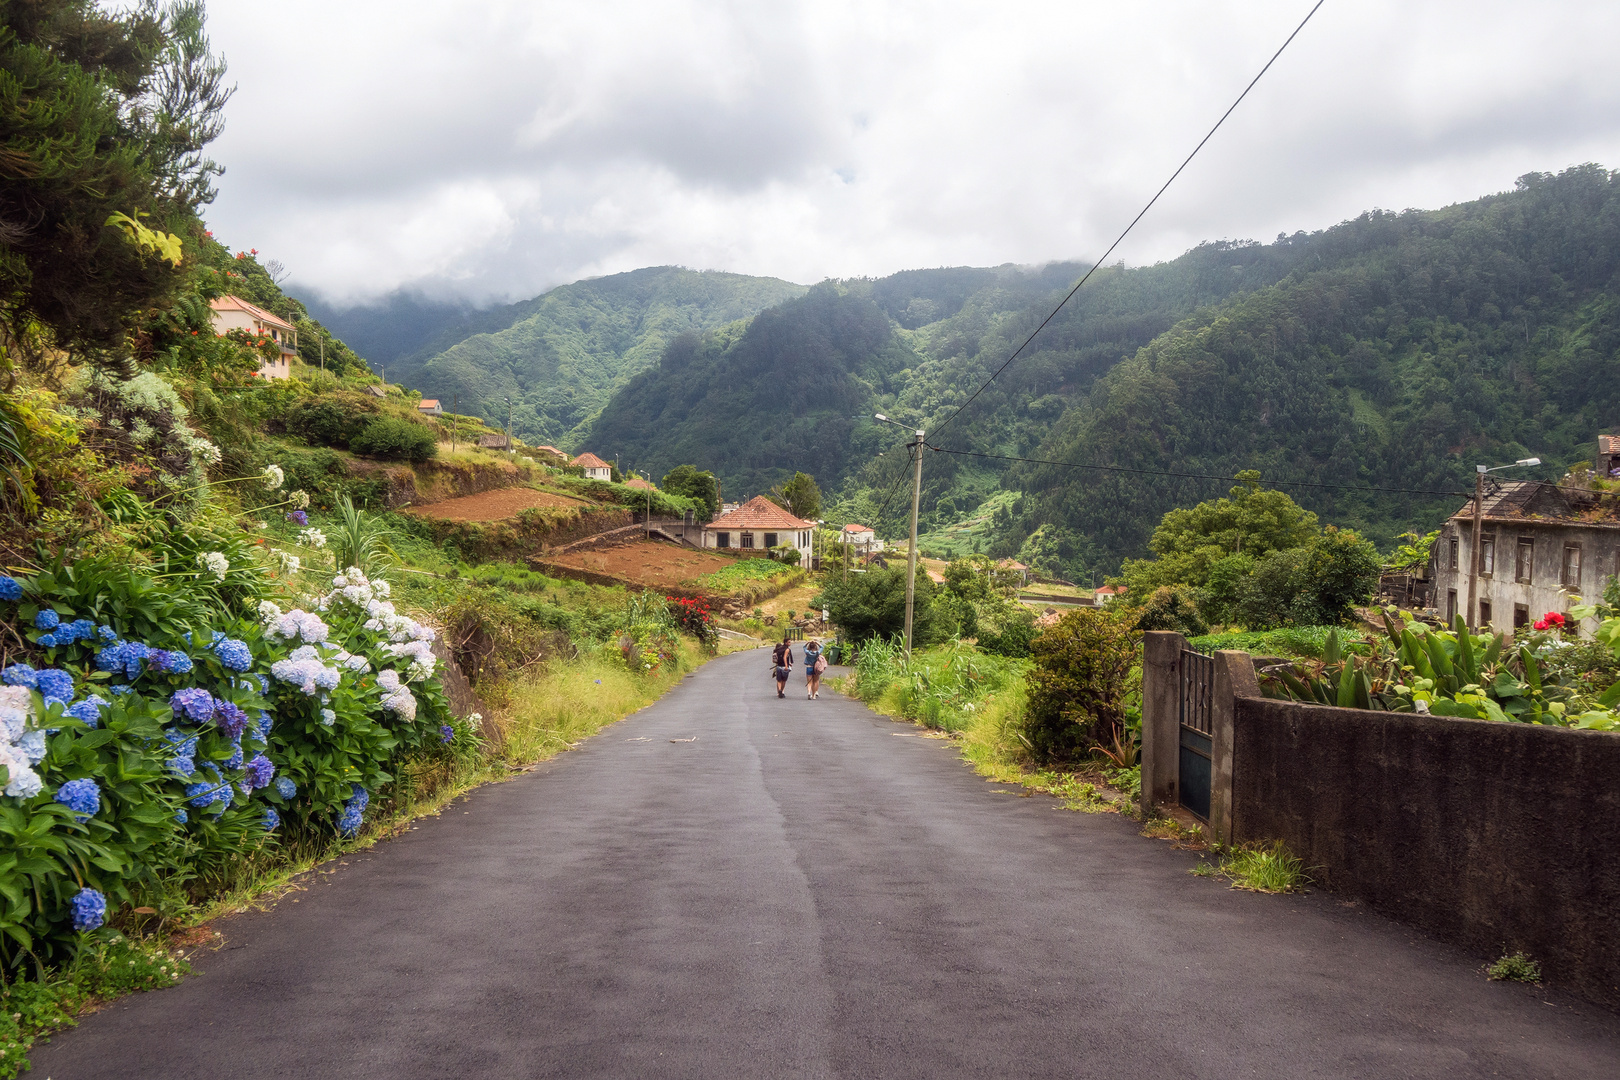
(814, 664)
(782, 665)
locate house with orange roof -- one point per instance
(429, 406)
(757, 526)
(595, 468)
(1109, 592)
(862, 539)
(233, 313)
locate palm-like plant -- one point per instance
(361, 540)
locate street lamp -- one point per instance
(916, 499)
(1470, 616)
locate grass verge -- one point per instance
(1267, 868)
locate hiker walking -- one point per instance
(814, 664)
(782, 663)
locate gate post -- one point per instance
(1161, 716)
(1234, 678)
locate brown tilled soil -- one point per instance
(494, 505)
(654, 563)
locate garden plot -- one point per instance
(497, 505)
(650, 563)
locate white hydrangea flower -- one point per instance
(328, 717)
(274, 477)
(299, 499)
(312, 537)
(269, 612)
(215, 563)
(289, 561)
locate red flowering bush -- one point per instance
(692, 616)
(1553, 620)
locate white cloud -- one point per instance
(490, 150)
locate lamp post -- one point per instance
(911, 554)
(1471, 616)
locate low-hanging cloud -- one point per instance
(488, 151)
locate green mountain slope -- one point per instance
(1407, 348)
(571, 348)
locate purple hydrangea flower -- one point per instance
(181, 816)
(348, 822)
(54, 683)
(235, 760)
(47, 619)
(107, 634)
(194, 703)
(298, 517)
(358, 797)
(182, 767)
(79, 629)
(10, 589)
(271, 819)
(89, 710)
(285, 787)
(234, 654)
(446, 733)
(230, 718)
(89, 909)
(19, 675)
(259, 771)
(206, 794)
(172, 663)
(83, 797)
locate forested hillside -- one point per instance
(560, 356)
(1408, 348)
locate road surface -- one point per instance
(731, 885)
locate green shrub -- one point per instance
(1515, 967)
(1080, 687)
(328, 421)
(394, 438)
(873, 604)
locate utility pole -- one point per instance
(911, 555)
(455, 408)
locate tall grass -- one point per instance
(552, 710)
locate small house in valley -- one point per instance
(757, 526)
(429, 406)
(1542, 545)
(233, 313)
(861, 538)
(595, 468)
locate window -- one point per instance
(1571, 575)
(1452, 564)
(770, 540)
(1521, 617)
(748, 540)
(1451, 605)
(1484, 613)
(722, 539)
(1525, 560)
(1487, 555)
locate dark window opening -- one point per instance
(1452, 564)
(722, 539)
(1521, 617)
(1572, 565)
(1525, 561)
(1484, 613)
(770, 540)
(1451, 605)
(747, 539)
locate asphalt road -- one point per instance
(727, 884)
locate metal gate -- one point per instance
(1197, 741)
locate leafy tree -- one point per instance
(1079, 687)
(395, 438)
(873, 604)
(799, 496)
(686, 480)
(1318, 584)
(102, 113)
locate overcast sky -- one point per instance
(492, 150)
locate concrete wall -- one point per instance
(1494, 836)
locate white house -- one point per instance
(234, 313)
(759, 525)
(862, 539)
(595, 468)
(429, 406)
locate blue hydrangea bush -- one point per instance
(157, 728)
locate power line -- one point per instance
(1199, 476)
(911, 448)
(1132, 225)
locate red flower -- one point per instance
(254, 250)
(1554, 618)
(1541, 624)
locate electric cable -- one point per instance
(1198, 476)
(1118, 240)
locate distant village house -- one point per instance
(595, 468)
(234, 313)
(640, 484)
(862, 539)
(1541, 547)
(429, 406)
(757, 526)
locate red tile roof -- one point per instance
(228, 303)
(638, 482)
(589, 460)
(1609, 444)
(758, 513)
(428, 403)
(854, 528)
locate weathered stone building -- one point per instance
(1542, 546)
